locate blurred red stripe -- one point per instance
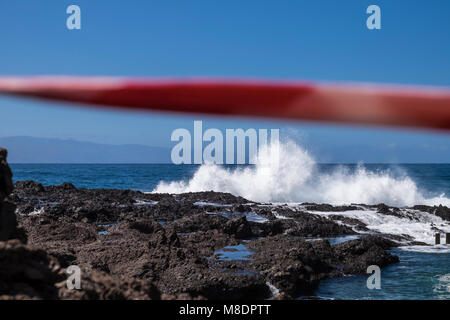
(359, 104)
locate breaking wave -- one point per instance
(295, 177)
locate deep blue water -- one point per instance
(431, 178)
(142, 177)
(418, 276)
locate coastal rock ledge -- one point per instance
(27, 272)
(206, 245)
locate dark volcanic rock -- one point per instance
(59, 237)
(355, 223)
(443, 212)
(213, 284)
(199, 222)
(391, 211)
(40, 229)
(27, 273)
(382, 208)
(440, 211)
(205, 242)
(290, 263)
(98, 285)
(30, 273)
(315, 226)
(26, 187)
(357, 255)
(132, 245)
(100, 205)
(6, 185)
(302, 224)
(296, 266)
(239, 228)
(271, 228)
(212, 197)
(327, 207)
(8, 221)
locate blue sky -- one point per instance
(314, 40)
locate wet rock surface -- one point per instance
(207, 245)
(440, 211)
(131, 245)
(28, 271)
(356, 255)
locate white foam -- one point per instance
(442, 248)
(442, 286)
(296, 178)
(273, 290)
(416, 224)
(281, 217)
(211, 204)
(36, 212)
(145, 203)
(251, 216)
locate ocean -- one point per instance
(423, 272)
(423, 181)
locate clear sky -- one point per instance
(323, 40)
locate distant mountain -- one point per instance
(43, 150)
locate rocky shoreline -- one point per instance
(207, 245)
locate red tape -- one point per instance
(403, 106)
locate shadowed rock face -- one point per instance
(356, 255)
(29, 273)
(24, 272)
(8, 221)
(6, 185)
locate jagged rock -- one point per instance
(6, 185)
(440, 211)
(355, 223)
(199, 222)
(8, 221)
(27, 273)
(97, 285)
(296, 266)
(357, 255)
(271, 228)
(211, 197)
(213, 284)
(239, 228)
(289, 263)
(180, 296)
(135, 245)
(28, 187)
(327, 207)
